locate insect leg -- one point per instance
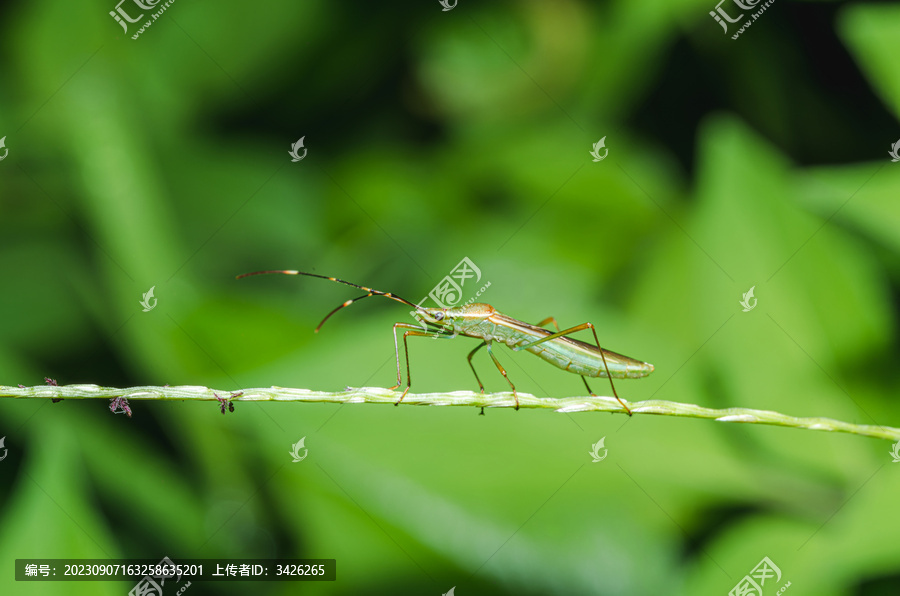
(556, 325)
(502, 372)
(472, 366)
(410, 330)
(549, 320)
(568, 331)
(472, 353)
(397, 351)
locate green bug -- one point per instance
(484, 322)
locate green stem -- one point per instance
(377, 395)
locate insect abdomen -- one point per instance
(585, 359)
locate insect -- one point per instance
(484, 322)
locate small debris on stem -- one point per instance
(119, 405)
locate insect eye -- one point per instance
(438, 316)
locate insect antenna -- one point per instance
(369, 291)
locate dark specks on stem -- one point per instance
(119, 405)
(226, 403)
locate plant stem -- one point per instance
(377, 395)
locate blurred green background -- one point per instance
(432, 136)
